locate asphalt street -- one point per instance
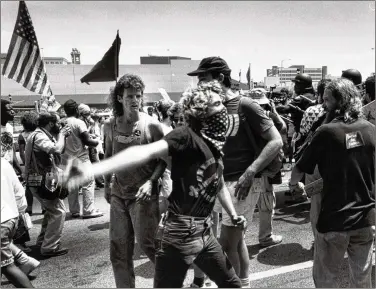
(87, 265)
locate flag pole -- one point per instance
(117, 58)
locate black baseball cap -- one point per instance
(353, 75)
(211, 64)
(303, 79)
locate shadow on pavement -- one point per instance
(293, 209)
(97, 227)
(285, 254)
(145, 270)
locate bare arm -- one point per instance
(273, 146)
(59, 146)
(108, 151)
(296, 176)
(87, 140)
(22, 152)
(131, 157)
(225, 199)
(157, 134)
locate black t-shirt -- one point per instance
(196, 171)
(238, 150)
(345, 155)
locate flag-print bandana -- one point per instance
(215, 128)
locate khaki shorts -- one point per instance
(244, 207)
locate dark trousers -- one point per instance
(183, 240)
(29, 200)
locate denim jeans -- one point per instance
(183, 240)
(329, 253)
(128, 220)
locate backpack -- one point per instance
(274, 167)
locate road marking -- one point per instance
(278, 271)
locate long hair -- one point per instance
(126, 81)
(348, 98)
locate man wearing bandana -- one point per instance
(242, 167)
(184, 235)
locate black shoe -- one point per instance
(43, 211)
(32, 277)
(57, 252)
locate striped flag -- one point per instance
(24, 63)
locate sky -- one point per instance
(338, 34)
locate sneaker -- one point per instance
(57, 252)
(29, 266)
(94, 214)
(273, 240)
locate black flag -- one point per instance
(108, 68)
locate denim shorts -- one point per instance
(8, 229)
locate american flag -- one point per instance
(24, 63)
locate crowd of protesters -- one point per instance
(175, 173)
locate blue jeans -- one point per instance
(183, 240)
(128, 220)
(329, 253)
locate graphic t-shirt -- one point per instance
(7, 132)
(195, 172)
(238, 150)
(345, 155)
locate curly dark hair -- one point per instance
(29, 121)
(126, 81)
(163, 106)
(47, 117)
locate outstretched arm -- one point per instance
(131, 157)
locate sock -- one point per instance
(199, 281)
(244, 282)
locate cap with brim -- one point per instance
(211, 64)
(259, 96)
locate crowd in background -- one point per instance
(267, 127)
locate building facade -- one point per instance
(286, 75)
(65, 82)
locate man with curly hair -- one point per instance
(134, 193)
(184, 234)
(344, 151)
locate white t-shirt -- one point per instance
(8, 154)
(13, 198)
(74, 148)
